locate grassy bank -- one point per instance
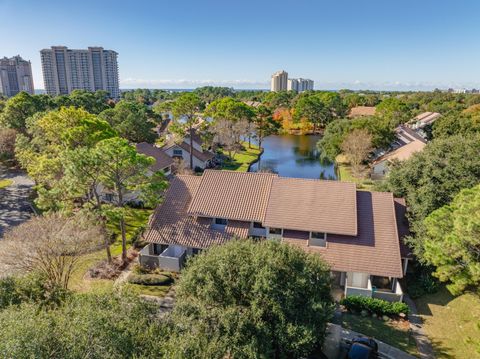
(344, 172)
(452, 323)
(135, 219)
(242, 159)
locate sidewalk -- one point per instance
(423, 343)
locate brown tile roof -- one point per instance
(426, 117)
(170, 223)
(406, 134)
(202, 156)
(375, 250)
(162, 160)
(312, 205)
(402, 153)
(362, 111)
(237, 229)
(233, 195)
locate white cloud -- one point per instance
(319, 85)
(184, 83)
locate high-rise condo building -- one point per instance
(65, 70)
(279, 81)
(15, 76)
(299, 85)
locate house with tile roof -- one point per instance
(356, 232)
(163, 162)
(180, 150)
(407, 142)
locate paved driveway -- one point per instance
(14, 199)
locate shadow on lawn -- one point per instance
(442, 297)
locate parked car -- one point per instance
(363, 348)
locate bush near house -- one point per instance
(357, 303)
(150, 279)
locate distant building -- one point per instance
(15, 76)
(92, 69)
(279, 81)
(299, 85)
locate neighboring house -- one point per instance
(201, 158)
(423, 120)
(162, 163)
(406, 144)
(360, 111)
(255, 104)
(354, 231)
(418, 123)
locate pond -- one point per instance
(294, 156)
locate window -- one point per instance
(276, 231)
(258, 225)
(221, 221)
(177, 152)
(108, 197)
(318, 235)
(318, 239)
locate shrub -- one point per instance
(106, 325)
(376, 306)
(247, 299)
(150, 279)
(421, 282)
(139, 269)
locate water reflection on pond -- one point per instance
(294, 156)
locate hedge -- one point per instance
(357, 303)
(150, 279)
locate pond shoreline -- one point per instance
(295, 156)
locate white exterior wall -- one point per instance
(186, 157)
(196, 145)
(257, 232)
(381, 168)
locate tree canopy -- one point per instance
(20, 107)
(452, 241)
(336, 131)
(249, 300)
(131, 120)
(432, 178)
(107, 325)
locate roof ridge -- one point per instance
(317, 180)
(396, 228)
(211, 170)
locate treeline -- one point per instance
(76, 148)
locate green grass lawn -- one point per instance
(344, 172)
(452, 323)
(390, 332)
(242, 159)
(5, 183)
(134, 219)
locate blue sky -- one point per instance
(388, 44)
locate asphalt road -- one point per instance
(14, 200)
